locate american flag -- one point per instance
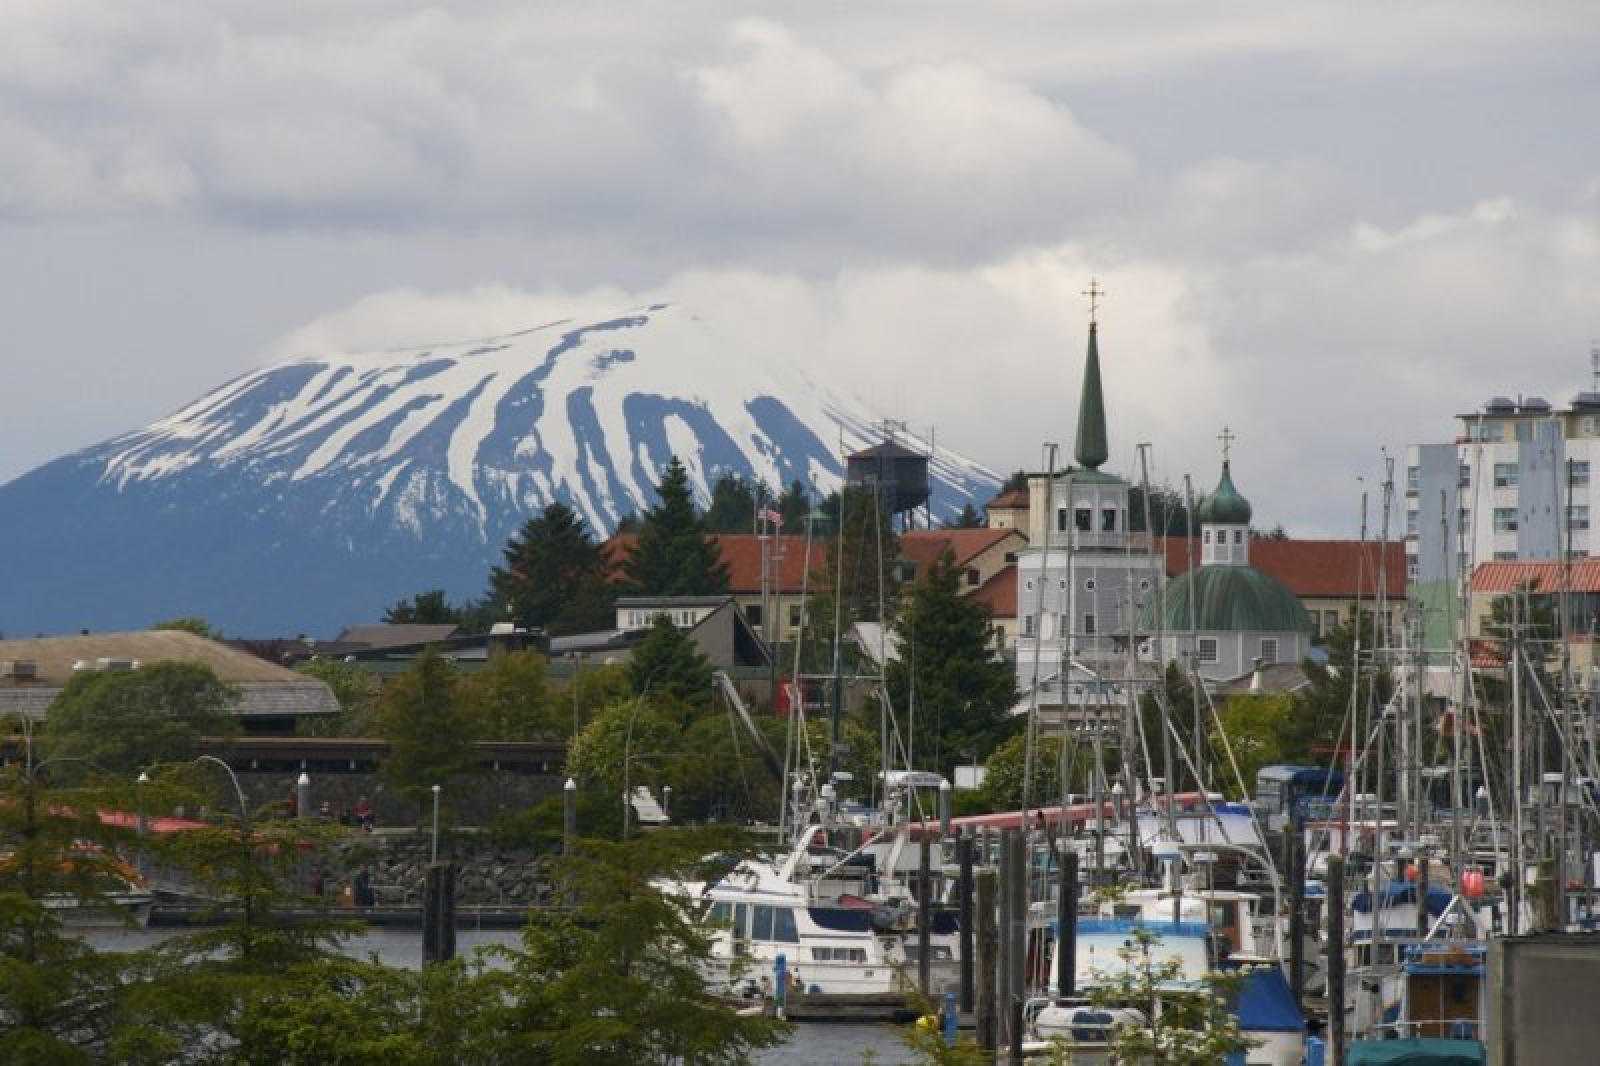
(772, 518)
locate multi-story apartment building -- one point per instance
(1514, 485)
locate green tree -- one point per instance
(197, 996)
(510, 699)
(668, 663)
(1169, 515)
(627, 741)
(554, 576)
(948, 670)
(617, 977)
(190, 624)
(1322, 706)
(673, 556)
(57, 996)
(425, 608)
(428, 727)
(1259, 729)
(124, 720)
(969, 518)
(733, 504)
(794, 507)
(357, 693)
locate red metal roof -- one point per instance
(741, 552)
(1546, 576)
(1326, 569)
(1000, 593)
(924, 546)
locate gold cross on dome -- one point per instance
(1227, 437)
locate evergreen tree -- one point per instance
(1168, 515)
(554, 577)
(948, 666)
(969, 518)
(57, 996)
(616, 978)
(794, 506)
(733, 504)
(673, 556)
(669, 664)
(428, 727)
(425, 608)
(1323, 706)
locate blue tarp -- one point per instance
(1265, 1003)
(1398, 894)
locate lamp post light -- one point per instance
(434, 851)
(247, 838)
(627, 752)
(569, 815)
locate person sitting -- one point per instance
(362, 812)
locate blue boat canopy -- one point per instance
(1416, 1051)
(1265, 1003)
(1399, 893)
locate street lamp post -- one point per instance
(627, 752)
(247, 837)
(434, 852)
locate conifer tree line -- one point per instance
(946, 700)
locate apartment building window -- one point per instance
(1269, 650)
(1505, 475)
(1505, 557)
(1088, 623)
(1413, 478)
(1027, 625)
(1108, 519)
(1464, 478)
(1505, 519)
(1578, 516)
(1578, 473)
(795, 617)
(1085, 519)
(1411, 523)
(1413, 570)
(1061, 520)
(1207, 647)
(752, 614)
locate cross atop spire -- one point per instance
(1094, 292)
(1227, 437)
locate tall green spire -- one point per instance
(1090, 448)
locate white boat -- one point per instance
(1195, 932)
(759, 912)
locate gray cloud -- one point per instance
(1330, 227)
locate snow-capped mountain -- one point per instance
(310, 495)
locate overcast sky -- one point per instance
(1328, 226)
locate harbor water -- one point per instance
(812, 1044)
